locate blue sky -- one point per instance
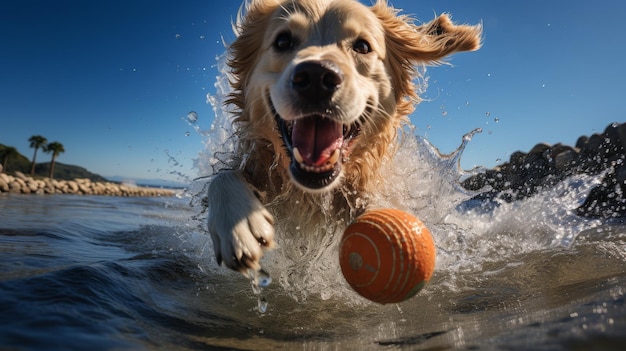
(113, 80)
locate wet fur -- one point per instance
(245, 201)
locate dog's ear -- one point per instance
(427, 43)
(408, 44)
(441, 38)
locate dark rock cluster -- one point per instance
(545, 165)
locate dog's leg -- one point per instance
(240, 226)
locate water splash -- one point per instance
(192, 120)
(219, 143)
(192, 117)
(468, 232)
(260, 280)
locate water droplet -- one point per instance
(260, 280)
(212, 100)
(488, 74)
(192, 117)
(496, 119)
(201, 37)
(178, 36)
(262, 305)
(264, 279)
(428, 127)
(487, 113)
(187, 134)
(498, 160)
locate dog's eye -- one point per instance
(283, 42)
(361, 46)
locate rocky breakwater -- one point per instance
(545, 165)
(22, 184)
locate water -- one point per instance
(104, 273)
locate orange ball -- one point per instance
(387, 255)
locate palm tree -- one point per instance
(36, 141)
(7, 152)
(56, 148)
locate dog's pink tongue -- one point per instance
(316, 138)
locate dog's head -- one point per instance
(331, 80)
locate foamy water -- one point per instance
(523, 275)
(422, 181)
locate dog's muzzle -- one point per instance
(316, 142)
(318, 147)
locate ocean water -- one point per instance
(114, 273)
(107, 273)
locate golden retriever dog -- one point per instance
(321, 89)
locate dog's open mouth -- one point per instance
(317, 146)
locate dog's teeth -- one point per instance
(297, 156)
(334, 157)
(332, 160)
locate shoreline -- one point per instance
(23, 184)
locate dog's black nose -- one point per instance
(316, 80)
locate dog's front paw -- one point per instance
(239, 241)
(240, 226)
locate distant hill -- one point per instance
(16, 163)
(65, 172)
(62, 171)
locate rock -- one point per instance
(72, 186)
(612, 140)
(565, 160)
(517, 160)
(539, 149)
(582, 140)
(20, 175)
(15, 187)
(544, 165)
(84, 188)
(21, 183)
(621, 131)
(32, 186)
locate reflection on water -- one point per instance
(119, 273)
